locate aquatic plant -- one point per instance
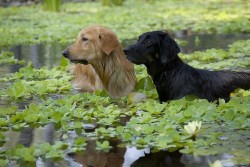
(30, 81)
(7, 57)
(112, 2)
(214, 59)
(52, 5)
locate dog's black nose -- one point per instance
(126, 51)
(65, 53)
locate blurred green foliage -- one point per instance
(112, 2)
(22, 25)
(52, 5)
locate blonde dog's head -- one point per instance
(92, 43)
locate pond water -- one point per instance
(116, 157)
(50, 55)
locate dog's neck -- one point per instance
(156, 69)
(116, 73)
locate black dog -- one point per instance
(173, 78)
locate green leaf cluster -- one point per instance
(236, 57)
(29, 81)
(7, 57)
(149, 124)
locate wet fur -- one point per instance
(85, 78)
(107, 66)
(173, 78)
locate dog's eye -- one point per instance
(84, 39)
(148, 42)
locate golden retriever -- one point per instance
(100, 62)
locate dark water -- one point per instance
(203, 42)
(116, 157)
(41, 55)
(50, 55)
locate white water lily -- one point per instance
(192, 128)
(216, 163)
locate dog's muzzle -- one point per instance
(65, 53)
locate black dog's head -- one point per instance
(152, 46)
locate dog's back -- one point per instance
(219, 84)
(211, 85)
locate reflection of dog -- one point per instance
(107, 66)
(173, 78)
(92, 157)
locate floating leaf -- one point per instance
(145, 83)
(8, 111)
(31, 118)
(103, 146)
(80, 141)
(27, 154)
(16, 90)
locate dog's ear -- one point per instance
(108, 41)
(168, 48)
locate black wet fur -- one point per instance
(173, 78)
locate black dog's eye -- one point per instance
(148, 42)
(84, 39)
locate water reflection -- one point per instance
(116, 157)
(159, 159)
(40, 54)
(93, 157)
(132, 154)
(207, 41)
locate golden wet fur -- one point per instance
(107, 66)
(85, 78)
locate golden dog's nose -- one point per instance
(65, 53)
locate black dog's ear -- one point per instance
(168, 49)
